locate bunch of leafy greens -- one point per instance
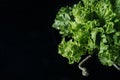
(89, 26)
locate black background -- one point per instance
(28, 44)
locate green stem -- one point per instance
(118, 68)
(84, 70)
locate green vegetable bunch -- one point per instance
(90, 27)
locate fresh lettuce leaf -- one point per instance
(90, 25)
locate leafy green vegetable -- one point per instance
(90, 25)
